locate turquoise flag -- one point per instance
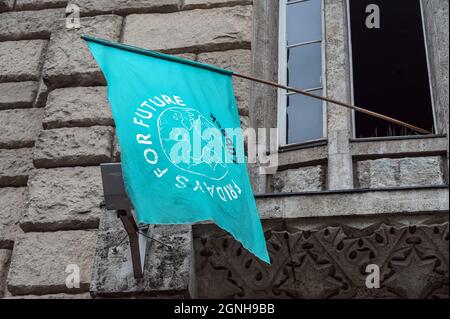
(181, 144)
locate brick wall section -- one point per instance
(56, 128)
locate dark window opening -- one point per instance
(390, 71)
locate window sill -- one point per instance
(399, 146)
(396, 138)
(300, 146)
(304, 154)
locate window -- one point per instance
(301, 118)
(389, 67)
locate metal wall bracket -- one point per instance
(138, 243)
(116, 199)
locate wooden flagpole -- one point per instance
(356, 108)
(232, 73)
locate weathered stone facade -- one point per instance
(331, 209)
(327, 261)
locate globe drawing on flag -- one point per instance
(192, 143)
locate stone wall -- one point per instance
(56, 125)
(333, 207)
(407, 171)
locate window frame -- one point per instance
(282, 74)
(352, 89)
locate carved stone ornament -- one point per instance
(329, 262)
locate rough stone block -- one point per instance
(77, 146)
(85, 295)
(191, 31)
(166, 271)
(5, 257)
(124, 7)
(19, 128)
(237, 60)
(69, 61)
(12, 208)
(77, 107)
(41, 97)
(24, 25)
(6, 5)
(245, 122)
(410, 171)
(274, 208)
(109, 220)
(21, 60)
(422, 171)
(187, 56)
(63, 198)
(116, 150)
(377, 173)
(17, 95)
(299, 180)
(15, 166)
(39, 4)
(207, 4)
(39, 263)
